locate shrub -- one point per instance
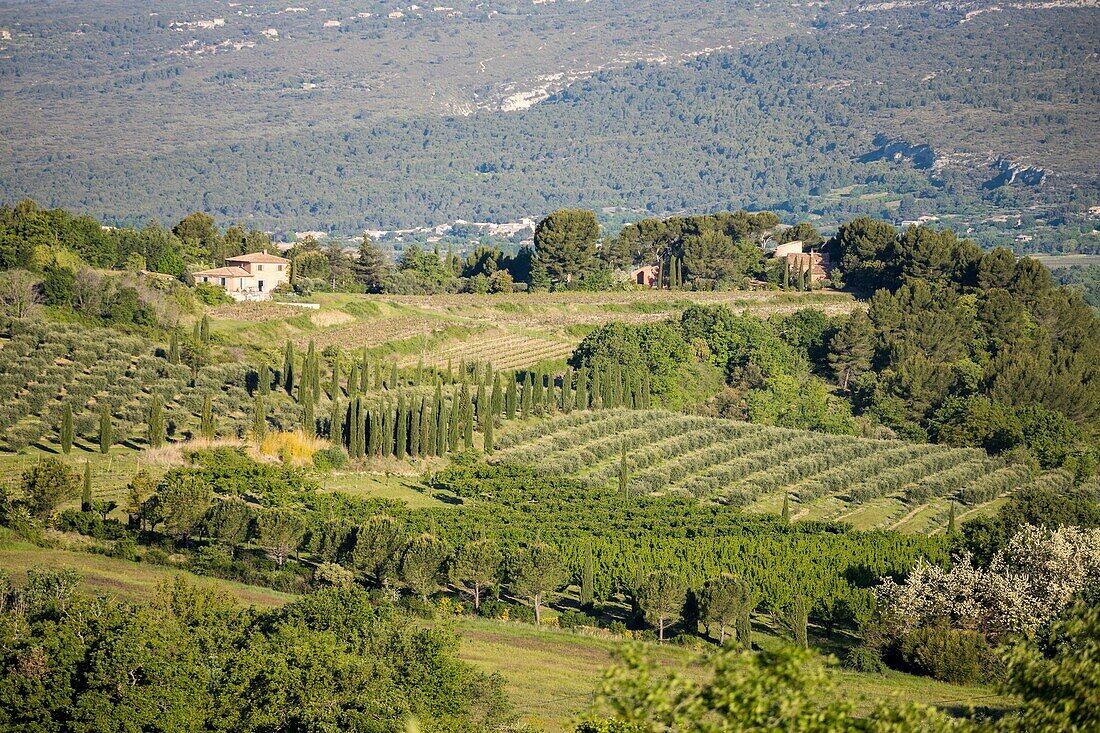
(329, 458)
(212, 295)
(866, 659)
(948, 655)
(574, 619)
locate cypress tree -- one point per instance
(951, 521)
(487, 435)
(606, 396)
(393, 376)
(207, 428)
(462, 370)
(263, 381)
(660, 273)
(86, 491)
(309, 419)
(624, 474)
(483, 411)
(288, 368)
(387, 431)
(377, 376)
(468, 424)
(427, 446)
(375, 428)
(352, 425)
(336, 424)
(588, 579)
(581, 397)
(525, 396)
(65, 432)
(353, 380)
(174, 349)
(453, 435)
(511, 398)
(786, 275)
(315, 373)
(786, 514)
(419, 371)
(364, 374)
(567, 391)
(259, 418)
(334, 384)
(105, 438)
(450, 376)
(155, 422)
(441, 429)
(401, 429)
(196, 333)
(495, 399)
(204, 329)
(596, 388)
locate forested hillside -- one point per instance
(920, 113)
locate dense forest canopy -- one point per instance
(887, 120)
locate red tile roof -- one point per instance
(261, 257)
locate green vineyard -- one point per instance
(867, 482)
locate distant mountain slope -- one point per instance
(944, 110)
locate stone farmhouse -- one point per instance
(248, 277)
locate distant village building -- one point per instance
(645, 275)
(248, 277)
(788, 248)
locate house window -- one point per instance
(259, 268)
(261, 284)
(223, 282)
(280, 268)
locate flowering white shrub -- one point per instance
(1027, 584)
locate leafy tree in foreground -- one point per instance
(788, 689)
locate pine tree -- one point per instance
(259, 419)
(174, 349)
(155, 422)
(588, 573)
(370, 266)
(105, 437)
(288, 368)
(207, 428)
(66, 430)
(204, 330)
(86, 491)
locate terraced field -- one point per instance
(505, 350)
(867, 483)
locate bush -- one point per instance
(948, 655)
(574, 619)
(330, 458)
(124, 549)
(864, 659)
(212, 294)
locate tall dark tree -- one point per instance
(370, 266)
(565, 243)
(105, 433)
(155, 428)
(65, 432)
